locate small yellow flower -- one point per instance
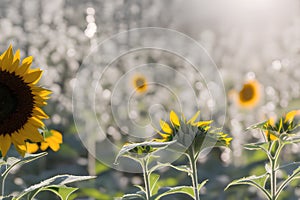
(20, 102)
(200, 128)
(139, 83)
(249, 96)
(285, 124)
(53, 139)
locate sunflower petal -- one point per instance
(290, 116)
(21, 149)
(31, 147)
(204, 123)
(33, 77)
(44, 146)
(54, 146)
(7, 58)
(165, 127)
(32, 133)
(57, 135)
(24, 66)
(174, 118)
(40, 113)
(36, 122)
(192, 120)
(5, 143)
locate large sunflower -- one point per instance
(20, 102)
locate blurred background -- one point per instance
(254, 43)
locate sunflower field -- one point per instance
(149, 100)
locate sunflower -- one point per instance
(139, 83)
(286, 124)
(53, 139)
(183, 131)
(20, 102)
(249, 95)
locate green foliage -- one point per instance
(56, 185)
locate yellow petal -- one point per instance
(32, 147)
(18, 139)
(165, 127)
(36, 122)
(32, 133)
(25, 66)
(40, 113)
(33, 77)
(21, 149)
(192, 120)
(57, 135)
(174, 118)
(54, 146)
(7, 58)
(204, 123)
(290, 116)
(5, 143)
(44, 146)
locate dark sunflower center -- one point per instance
(8, 102)
(140, 83)
(16, 102)
(247, 93)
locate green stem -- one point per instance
(273, 180)
(194, 175)
(146, 178)
(274, 167)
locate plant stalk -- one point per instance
(146, 178)
(194, 175)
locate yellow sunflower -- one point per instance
(20, 102)
(53, 139)
(285, 124)
(201, 129)
(139, 83)
(249, 95)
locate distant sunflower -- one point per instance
(139, 83)
(53, 139)
(20, 102)
(249, 95)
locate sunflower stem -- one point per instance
(146, 177)
(194, 175)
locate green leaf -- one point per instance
(183, 168)
(293, 176)
(260, 125)
(202, 184)
(257, 181)
(57, 181)
(153, 183)
(256, 146)
(62, 191)
(188, 190)
(12, 161)
(128, 147)
(133, 197)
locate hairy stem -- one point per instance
(194, 175)
(146, 178)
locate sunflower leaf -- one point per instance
(62, 191)
(188, 190)
(153, 183)
(12, 161)
(133, 197)
(129, 147)
(54, 182)
(257, 181)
